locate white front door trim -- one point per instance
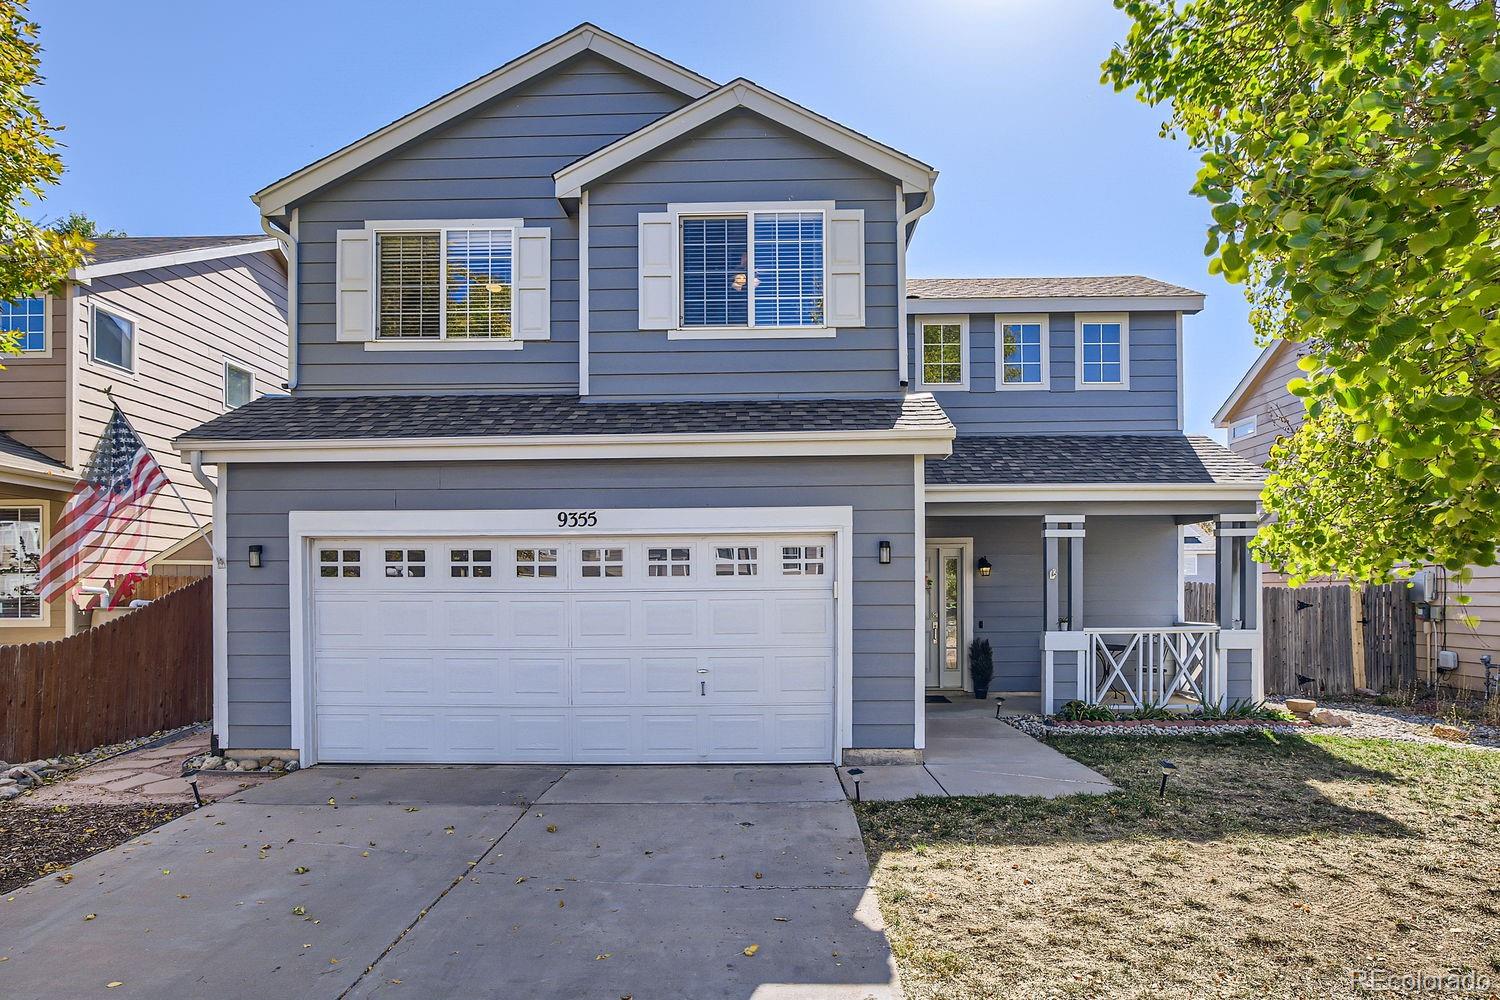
(303, 526)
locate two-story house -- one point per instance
(617, 433)
(174, 330)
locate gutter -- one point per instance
(289, 251)
(929, 198)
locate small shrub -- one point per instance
(1077, 711)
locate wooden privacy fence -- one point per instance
(149, 670)
(1328, 640)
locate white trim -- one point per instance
(963, 339)
(1057, 303)
(88, 272)
(243, 369)
(1079, 319)
(1044, 320)
(91, 356)
(583, 295)
(25, 472)
(903, 375)
(166, 554)
(1179, 388)
(1233, 430)
(304, 526)
(919, 534)
(457, 344)
(1096, 492)
(46, 350)
(274, 198)
(751, 330)
(965, 600)
(44, 508)
(575, 446)
(742, 93)
(1262, 361)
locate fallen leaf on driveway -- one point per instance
(781, 920)
(750, 951)
(299, 910)
(301, 870)
(110, 986)
(520, 879)
(600, 958)
(65, 877)
(182, 895)
(90, 916)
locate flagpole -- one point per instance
(109, 392)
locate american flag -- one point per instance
(104, 519)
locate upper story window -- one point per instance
(1241, 429)
(1103, 351)
(113, 340)
(239, 385)
(450, 284)
(26, 321)
(21, 541)
(753, 269)
(1021, 344)
(943, 343)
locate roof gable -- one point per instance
(914, 175)
(1264, 361)
(124, 254)
(275, 198)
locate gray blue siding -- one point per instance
(496, 162)
(739, 158)
(879, 489)
(1149, 405)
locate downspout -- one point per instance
(219, 736)
(908, 220)
(289, 250)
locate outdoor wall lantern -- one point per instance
(984, 567)
(885, 553)
(255, 551)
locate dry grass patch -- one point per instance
(1275, 867)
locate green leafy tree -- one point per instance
(1351, 150)
(79, 224)
(32, 256)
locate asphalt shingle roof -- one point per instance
(15, 449)
(312, 418)
(1109, 286)
(111, 249)
(1085, 458)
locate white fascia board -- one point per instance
(1099, 492)
(88, 272)
(24, 472)
(275, 198)
(587, 446)
(1262, 361)
(1058, 303)
(914, 175)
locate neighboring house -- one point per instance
(1199, 563)
(176, 329)
(617, 434)
(1259, 412)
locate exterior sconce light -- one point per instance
(885, 553)
(255, 551)
(984, 567)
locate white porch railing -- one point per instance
(1133, 668)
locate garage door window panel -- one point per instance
(536, 564)
(406, 563)
(471, 563)
(670, 561)
(600, 563)
(802, 560)
(342, 563)
(736, 560)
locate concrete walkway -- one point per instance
(970, 752)
(645, 882)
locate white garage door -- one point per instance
(609, 650)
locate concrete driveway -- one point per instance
(472, 882)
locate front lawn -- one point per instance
(1276, 866)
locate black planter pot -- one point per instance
(981, 692)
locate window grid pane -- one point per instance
(715, 279)
(26, 319)
(536, 563)
(112, 339)
(1023, 353)
(788, 286)
(479, 283)
(20, 562)
(942, 354)
(238, 386)
(736, 560)
(1101, 353)
(409, 297)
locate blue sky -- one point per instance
(176, 112)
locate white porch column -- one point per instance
(1062, 604)
(1237, 594)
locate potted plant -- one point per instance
(981, 666)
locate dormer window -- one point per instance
(753, 269)
(943, 352)
(1021, 343)
(1103, 351)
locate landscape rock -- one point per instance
(1328, 717)
(1301, 706)
(9, 792)
(1367, 692)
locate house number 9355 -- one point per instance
(577, 518)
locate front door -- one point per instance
(945, 610)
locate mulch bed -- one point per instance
(39, 841)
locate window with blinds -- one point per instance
(478, 289)
(410, 294)
(20, 563)
(757, 269)
(453, 284)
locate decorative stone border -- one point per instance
(239, 764)
(1039, 728)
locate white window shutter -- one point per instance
(354, 318)
(531, 285)
(844, 256)
(657, 247)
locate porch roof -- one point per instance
(1095, 459)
